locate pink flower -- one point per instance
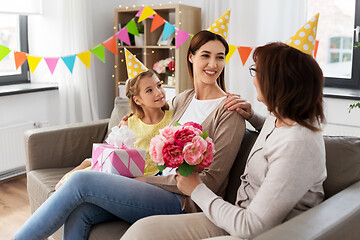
(172, 155)
(193, 152)
(193, 124)
(208, 155)
(156, 146)
(183, 136)
(168, 132)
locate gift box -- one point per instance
(123, 161)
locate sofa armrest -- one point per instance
(62, 146)
(336, 218)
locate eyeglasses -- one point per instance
(252, 70)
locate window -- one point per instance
(13, 35)
(337, 37)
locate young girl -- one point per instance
(150, 113)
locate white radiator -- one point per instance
(341, 130)
(12, 149)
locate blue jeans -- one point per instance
(89, 197)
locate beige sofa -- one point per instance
(53, 151)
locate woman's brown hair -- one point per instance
(291, 83)
(196, 42)
(132, 89)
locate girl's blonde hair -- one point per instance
(132, 89)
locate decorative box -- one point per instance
(123, 161)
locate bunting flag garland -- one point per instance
(51, 63)
(168, 30)
(85, 57)
(99, 52)
(316, 48)
(220, 27)
(181, 37)
(110, 44)
(232, 49)
(123, 35)
(4, 51)
(138, 14)
(69, 62)
(132, 28)
(33, 62)
(244, 53)
(20, 58)
(156, 22)
(146, 13)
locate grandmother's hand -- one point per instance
(187, 184)
(241, 105)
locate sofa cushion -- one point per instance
(41, 184)
(121, 108)
(342, 163)
(239, 165)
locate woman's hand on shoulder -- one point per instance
(239, 104)
(188, 184)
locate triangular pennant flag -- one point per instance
(33, 62)
(20, 58)
(168, 30)
(232, 49)
(99, 51)
(181, 37)
(244, 53)
(4, 51)
(316, 48)
(304, 39)
(123, 35)
(132, 28)
(51, 62)
(69, 61)
(146, 12)
(221, 26)
(156, 22)
(110, 44)
(133, 65)
(138, 14)
(85, 57)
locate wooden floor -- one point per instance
(14, 206)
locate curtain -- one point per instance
(23, 7)
(254, 23)
(65, 29)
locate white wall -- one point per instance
(336, 111)
(37, 107)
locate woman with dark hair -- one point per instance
(88, 197)
(285, 169)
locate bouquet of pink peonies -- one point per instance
(182, 147)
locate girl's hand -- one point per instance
(241, 105)
(188, 184)
(141, 179)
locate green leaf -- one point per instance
(177, 124)
(186, 169)
(352, 106)
(161, 167)
(204, 135)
